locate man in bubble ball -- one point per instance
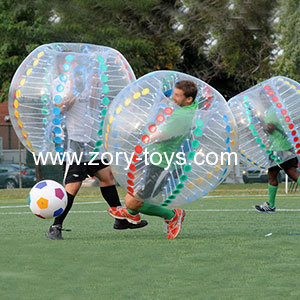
(74, 174)
(281, 146)
(184, 95)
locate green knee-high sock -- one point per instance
(133, 212)
(298, 181)
(154, 210)
(272, 194)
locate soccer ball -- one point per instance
(47, 199)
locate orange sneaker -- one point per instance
(120, 212)
(174, 225)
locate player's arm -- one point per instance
(68, 99)
(66, 103)
(173, 127)
(269, 128)
(158, 137)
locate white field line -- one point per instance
(102, 202)
(187, 210)
(251, 196)
(205, 197)
(78, 203)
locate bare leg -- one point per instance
(105, 177)
(133, 203)
(272, 177)
(293, 173)
(73, 187)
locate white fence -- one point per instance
(12, 156)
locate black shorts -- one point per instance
(291, 163)
(82, 171)
(152, 174)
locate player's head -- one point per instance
(262, 101)
(60, 61)
(185, 92)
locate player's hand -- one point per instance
(66, 104)
(269, 128)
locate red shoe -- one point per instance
(174, 225)
(121, 213)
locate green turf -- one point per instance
(218, 255)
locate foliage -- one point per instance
(139, 29)
(22, 29)
(231, 44)
(288, 63)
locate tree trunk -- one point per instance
(38, 172)
(20, 164)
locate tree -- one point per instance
(22, 29)
(288, 63)
(227, 43)
(245, 41)
(140, 30)
(200, 20)
(231, 41)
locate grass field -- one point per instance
(225, 251)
